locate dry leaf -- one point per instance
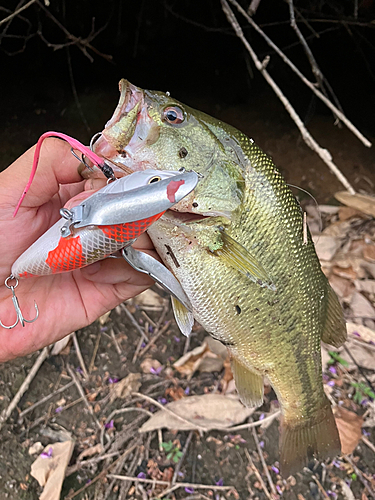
(89, 452)
(367, 286)
(126, 386)
(211, 411)
(150, 365)
(346, 213)
(360, 331)
(361, 202)
(369, 252)
(36, 448)
(343, 287)
(361, 307)
(326, 246)
(201, 358)
(60, 346)
(345, 272)
(346, 491)
(148, 298)
(363, 353)
(349, 425)
(50, 471)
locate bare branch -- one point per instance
(16, 12)
(307, 137)
(307, 82)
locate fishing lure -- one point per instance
(109, 220)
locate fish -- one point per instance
(239, 247)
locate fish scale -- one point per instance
(252, 280)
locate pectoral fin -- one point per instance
(334, 332)
(184, 318)
(241, 259)
(248, 383)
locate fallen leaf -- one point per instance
(361, 202)
(345, 272)
(337, 229)
(369, 252)
(367, 286)
(149, 298)
(35, 448)
(363, 353)
(175, 393)
(50, 471)
(360, 331)
(346, 491)
(89, 452)
(326, 246)
(60, 347)
(349, 425)
(361, 307)
(126, 386)
(150, 365)
(346, 213)
(343, 287)
(202, 359)
(210, 411)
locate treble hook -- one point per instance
(20, 318)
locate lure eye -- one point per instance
(174, 115)
(154, 179)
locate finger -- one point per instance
(56, 166)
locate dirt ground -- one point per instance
(113, 349)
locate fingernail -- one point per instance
(92, 268)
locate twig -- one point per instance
(134, 322)
(265, 468)
(83, 395)
(253, 7)
(117, 346)
(96, 347)
(137, 350)
(359, 475)
(307, 137)
(252, 424)
(167, 410)
(321, 489)
(187, 345)
(45, 399)
(368, 443)
(25, 385)
(177, 485)
(257, 473)
(117, 412)
(15, 13)
(184, 451)
(79, 356)
(160, 440)
(79, 465)
(156, 337)
(294, 68)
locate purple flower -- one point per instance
(336, 464)
(366, 433)
(141, 475)
(104, 328)
(187, 391)
(79, 370)
(333, 370)
(364, 402)
(261, 444)
(150, 329)
(156, 371)
(357, 335)
(176, 339)
(220, 482)
(275, 469)
(189, 490)
(332, 494)
(109, 425)
(59, 409)
(331, 383)
(261, 416)
(48, 453)
(162, 401)
(143, 345)
(113, 380)
(279, 490)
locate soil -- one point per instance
(216, 457)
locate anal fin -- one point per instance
(334, 331)
(184, 318)
(248, 383)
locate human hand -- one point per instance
(66, 301)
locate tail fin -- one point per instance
(314, 437)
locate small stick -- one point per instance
(321, 489)
(155, 337)
(117, 345)
(83, 395)
(368, 443)
(45, 399)
(16, 12)
(139, 347)
(184, 451)
(257, 473)
(252, 424)
(324, 154)
(147, 318)
(159, 405)
(79, 356)
(96, 347)
(265, 468)
(186, 346)
(25, 385)
(307, 82)
(160, 439)
(177, 485)
(133, 321)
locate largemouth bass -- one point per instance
(236, 244)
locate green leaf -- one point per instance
(338, 359)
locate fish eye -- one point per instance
(154, 179)
(173, 115)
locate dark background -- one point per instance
(185, 47)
